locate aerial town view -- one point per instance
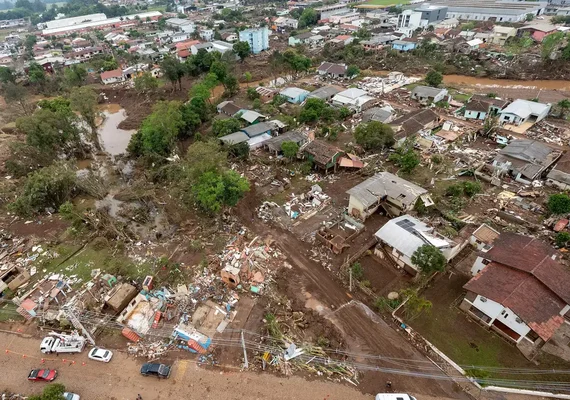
(271, 199)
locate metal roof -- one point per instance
(235, 138)
(257, 129)
(386, 184)
(525, 108)
(293, 92)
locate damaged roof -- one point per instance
(414, 121)
(521, 292)
(322, 152)
(324, 93)
(376, 114)
(257, 129)
(529, 157)
(292, 136)
(426, 91)
(386, 184)
(332, 68)
(561, 172)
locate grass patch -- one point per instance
(8, 312)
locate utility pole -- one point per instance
(350, 279)
(78, 325)
(245, 363)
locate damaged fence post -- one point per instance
(245, 363)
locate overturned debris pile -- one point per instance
(250, 265)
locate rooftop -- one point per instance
(257, 129)
(386, 184)
(427, 91)
(322, 151)
(525, 108)
(353, 93)
(291, 136)
(332, 68)
(324, 92)
(235, 138)
(116, 73)
(293, 92)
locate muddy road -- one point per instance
(363, 330)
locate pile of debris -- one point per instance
(250, 265)
(151, 351)
(549, 133)
(307, 204)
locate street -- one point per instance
(120, 379)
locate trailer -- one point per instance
(61, 343)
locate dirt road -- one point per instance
(363, 330)
(120, 379)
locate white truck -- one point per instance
(60, 343)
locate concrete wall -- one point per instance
(478, 265)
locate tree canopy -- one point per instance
(434, 78)
(242, 50)
(559, 203)
(374, 135)
(428, 259)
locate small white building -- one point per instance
(521, 111)
(355, 99)
(428, 94)
(400, 237)
(114, 76)
(181, 24)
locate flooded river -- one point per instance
(114, 140)
(463, 80)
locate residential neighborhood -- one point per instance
(368, 198)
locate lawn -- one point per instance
(469, 344)
(8, 312)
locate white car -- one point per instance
(70, 396)
(99, 354)
(394, 396)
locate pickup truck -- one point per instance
(159, 370)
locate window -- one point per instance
(485, 262)
(483, 299)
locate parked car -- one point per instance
(159, 370)
(99, 354)
(394, 396)
(70, 396)
(46, 375)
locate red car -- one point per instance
(46, 375)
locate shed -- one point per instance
(294, 95)
(324, 155)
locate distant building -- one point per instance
(332, 70)
(207, 34)
(428, 94)
(403, 45)
(431, 14)
(539, 31)
(258, 39)
(114, 76)
(184, 25)
(327, 11)
(286, 23)
(496, 10)
(294, 95)
(502, 33)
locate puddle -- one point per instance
(111, 108)
(109, 203)
(114, 140)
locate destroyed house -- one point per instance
(526, 160)
(274, 144)
(559, 176)
(521, 293)
(323, 154)
(355, 99)
(325, 93)
(387, 191)
(413, 122)
(332, 70)
(383, 115)
(400, 237)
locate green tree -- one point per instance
(363, 34)
(84, 101)
(145, 83)
(315, 109)
(239, 151)
(220, 70)
(428, 259)
(29, 42)
(308, 18)
(215, 190)
(296, 62)
(191, 118)
(7, 75)
(17, 94)
(36, 74)
(48, 187)
(564, 106)
(53, 391)
(290, 149)
(434, 78)
(352, 71)
(529, 17)
(242, 50)
(246, 75)
(343, 113)
(559, 203)
(550, 44)
(110, 65)
(223, 127)
(75, 75)
(252, 94)
(517, 45)
(357, 271)
(374, 135)
(173, 71)
(562, 239)
(231, 85)
(158, 132)
(405, 157)
(415, 304)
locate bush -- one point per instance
(223, 127)
(406, 158)
(357, 271)
(252, 94)
(562, 239)
(455, 190)
(289, 149)
(383, 304)
(374, 135)
(434, 78)
(429, 259)
(48, 187)
(471, 188)
(559, 203)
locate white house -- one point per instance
(181, 24)
(114, 76)
(428, 94)
(521, 111)
(400, 237)
(355, 99)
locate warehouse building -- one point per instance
(491, 10)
